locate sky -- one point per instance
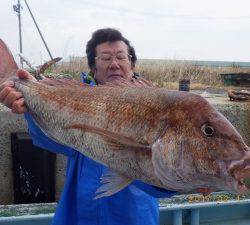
(169, 29)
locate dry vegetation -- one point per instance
(163, 73)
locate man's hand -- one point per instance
(10, 97)
(141, 82)
(133, 82)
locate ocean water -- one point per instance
(198, 62)
(221, 63)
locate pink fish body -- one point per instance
(170, 139)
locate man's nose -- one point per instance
(114, 64)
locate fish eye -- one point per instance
(207, 130)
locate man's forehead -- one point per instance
(116, 46)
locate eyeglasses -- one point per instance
(120, 57)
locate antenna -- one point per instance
(17, 8)
(38, 30)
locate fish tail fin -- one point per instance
(8, 66)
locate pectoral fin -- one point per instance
(111, 183)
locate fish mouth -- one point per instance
(241, 187)
(243, 180)
(240, 171)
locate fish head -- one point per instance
(200, 149)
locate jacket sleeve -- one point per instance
(154, 191)
(41, 140)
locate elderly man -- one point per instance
(111, 59)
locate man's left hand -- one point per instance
(133, 82)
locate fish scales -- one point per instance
(170, 139)
(107, 99)
(60, 112)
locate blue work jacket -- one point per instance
(137, 204)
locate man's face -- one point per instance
(112, 62)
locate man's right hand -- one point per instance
(12, 98)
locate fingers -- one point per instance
(11, 96)
(23, 74)
(141, 82)
(18, 106)
(136, 83)
(121, 82)
(133, 82)
(6, 84)
(4, 93)
(144, 82)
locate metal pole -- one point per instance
(38, 30)
(20, 32)
(17, 8)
